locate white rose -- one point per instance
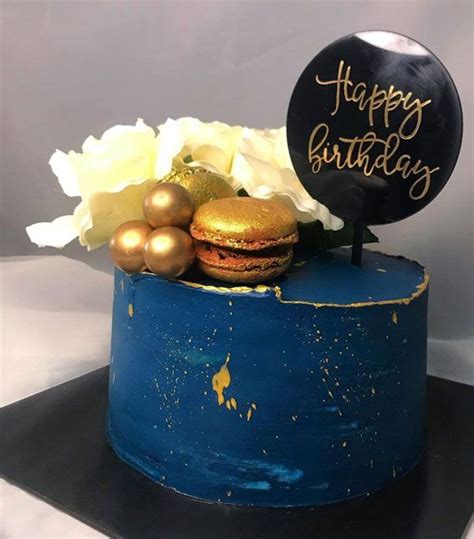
(111, 175)
(192, 142)
(262, 166)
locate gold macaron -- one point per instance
(244, 240)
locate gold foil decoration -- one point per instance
(221, 381)
(203, 185)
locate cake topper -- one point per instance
(374, 129)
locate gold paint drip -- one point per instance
(221, 381)
(420, 288)
(261, 289)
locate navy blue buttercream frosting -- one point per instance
(307, 391)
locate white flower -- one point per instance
(257, 160)
(192, 142)
(262, 166)
(111, 175)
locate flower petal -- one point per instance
(61, 166)
(262, 166)
(123, 153)
(117, 133)
(57, 233)
(262, 180)
(107, 211)
(169, 143)
(214, 143)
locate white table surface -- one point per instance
(55, 318)
(56, 315)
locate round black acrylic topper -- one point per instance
(374, 127)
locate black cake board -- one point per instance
(53, 446)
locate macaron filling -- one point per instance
(243, 244)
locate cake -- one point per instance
(307, 390)
(251, 362)
(255, 359)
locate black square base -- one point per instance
(54, 447)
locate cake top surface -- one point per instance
(328, 277)
(245, 218)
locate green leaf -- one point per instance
(313, 235)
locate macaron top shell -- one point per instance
(244, 222)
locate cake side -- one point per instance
(235, 394)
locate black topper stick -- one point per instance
(357, 243)
(373, 192)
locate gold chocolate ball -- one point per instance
(168, 204)
(169, 251)
(203, 185)
(127, 243)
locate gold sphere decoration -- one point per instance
(169, 251)
(127, 244)
(168, 204)
(203, 185)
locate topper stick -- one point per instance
(357, 243)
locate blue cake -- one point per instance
(241, 371)
(304, 391)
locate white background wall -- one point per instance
(74, 68)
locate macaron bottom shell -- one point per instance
(250, 276)
(240, 266)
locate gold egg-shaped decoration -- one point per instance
(168, 204)
(127, 244)
(203, 185)
(169, 251)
